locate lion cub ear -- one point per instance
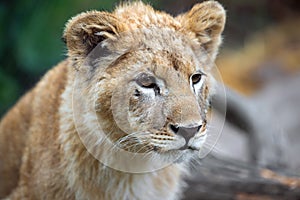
(85, 31)
(207, 21)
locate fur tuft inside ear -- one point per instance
(207, 21)
(85, 31)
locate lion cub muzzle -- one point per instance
(187, 132)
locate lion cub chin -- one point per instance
(122, 115)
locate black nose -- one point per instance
(186, 132)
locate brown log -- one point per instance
(215, 179)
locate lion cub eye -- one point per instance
(196, 81)
(147, 81)
(196, 78)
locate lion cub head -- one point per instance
(147, 74)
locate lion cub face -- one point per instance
(150, 74)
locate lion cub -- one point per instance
(121, 116)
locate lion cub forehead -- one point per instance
(139, 15)
(159, 47)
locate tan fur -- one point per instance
(42, 155)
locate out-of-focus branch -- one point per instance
(238, 109)
(216, 179)
(253, 119)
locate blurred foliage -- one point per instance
(30, 33)
(30, 41)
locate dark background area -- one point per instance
(30, 33)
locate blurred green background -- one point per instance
(30, 33)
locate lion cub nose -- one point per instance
(186, 132)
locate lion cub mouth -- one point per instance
(183, 143)
(180, 140)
